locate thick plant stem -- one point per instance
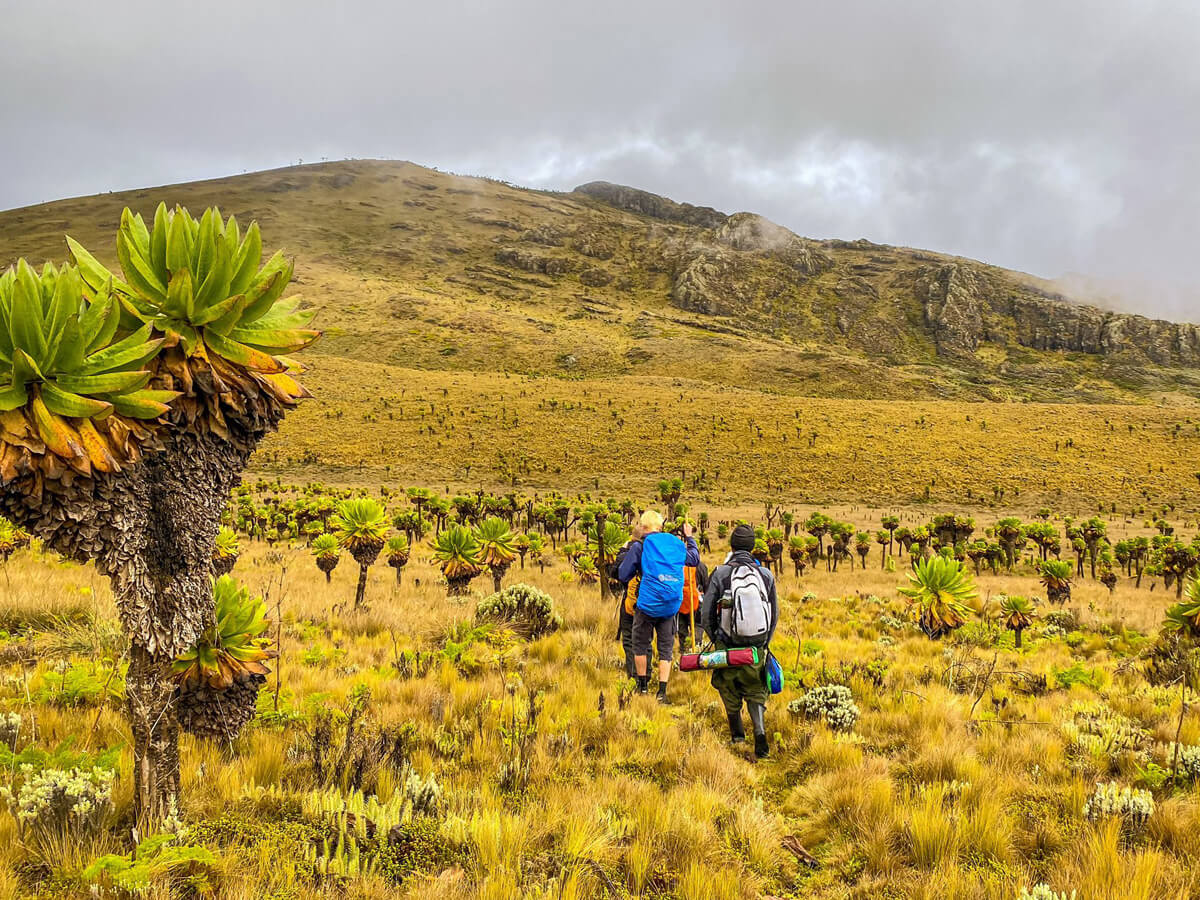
(1178, 731)
(155, 737)
(151, 529)
(361, 591)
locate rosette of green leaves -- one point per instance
(202, 283)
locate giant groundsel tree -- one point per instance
(129, 405)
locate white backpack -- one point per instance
(746, 608)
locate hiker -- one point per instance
(695, 582)
(741, 610)
(626, 599)
(658, 560)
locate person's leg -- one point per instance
(754, 690)
(643, 635)
(757, 710)
(665, 629)
(627, 642)
(725, 686)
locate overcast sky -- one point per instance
(1052, 137)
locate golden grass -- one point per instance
(920, 801)
(373, 424)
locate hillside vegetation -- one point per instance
(562, 330)
(418, 747)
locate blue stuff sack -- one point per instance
(660, 592)
(774, 674)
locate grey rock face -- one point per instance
(965, 305)
(748, 232)
(747, 256)
(647, 204)
(532, 262)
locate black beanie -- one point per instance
(742, 538)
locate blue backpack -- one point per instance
(661, 591)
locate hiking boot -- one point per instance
(761, 747)
(662, 692)
(643, 684)
(737, 734)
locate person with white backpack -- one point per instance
(741, 609)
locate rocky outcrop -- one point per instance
(752, 233)
(953, 300)
(748, 259)
(594, 243)
(527, 261)
(646, 204)
(965, 305)
(595, 276)
(707, 281)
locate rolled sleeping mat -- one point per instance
(720, 659)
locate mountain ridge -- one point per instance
(413, 266)
(954, 304)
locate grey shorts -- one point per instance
(647, 628)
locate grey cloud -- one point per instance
(1050, 137)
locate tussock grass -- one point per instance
(923, 798)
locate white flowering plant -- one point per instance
(1133, 806)
(53, 792)
(10, 728)
(54, 803)
(1043, 891)
(832, 703)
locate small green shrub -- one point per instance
(155, 859)
(1189, 760)
(1077, 674)
(81, 685)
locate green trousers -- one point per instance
(741, 683)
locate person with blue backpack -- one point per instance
(658, 562)
(741, 609)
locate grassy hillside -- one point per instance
(373, 423)
(561, 340)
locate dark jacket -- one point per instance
(632, 563)
(718, 586)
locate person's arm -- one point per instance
(631, 563)
(693, 552)
(771, 593)
(710, 606)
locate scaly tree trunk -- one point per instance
(360, 593)
(155, 733)
(151, 530)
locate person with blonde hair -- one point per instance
(658, 562)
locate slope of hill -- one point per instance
(416, 267)
(609, 294)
